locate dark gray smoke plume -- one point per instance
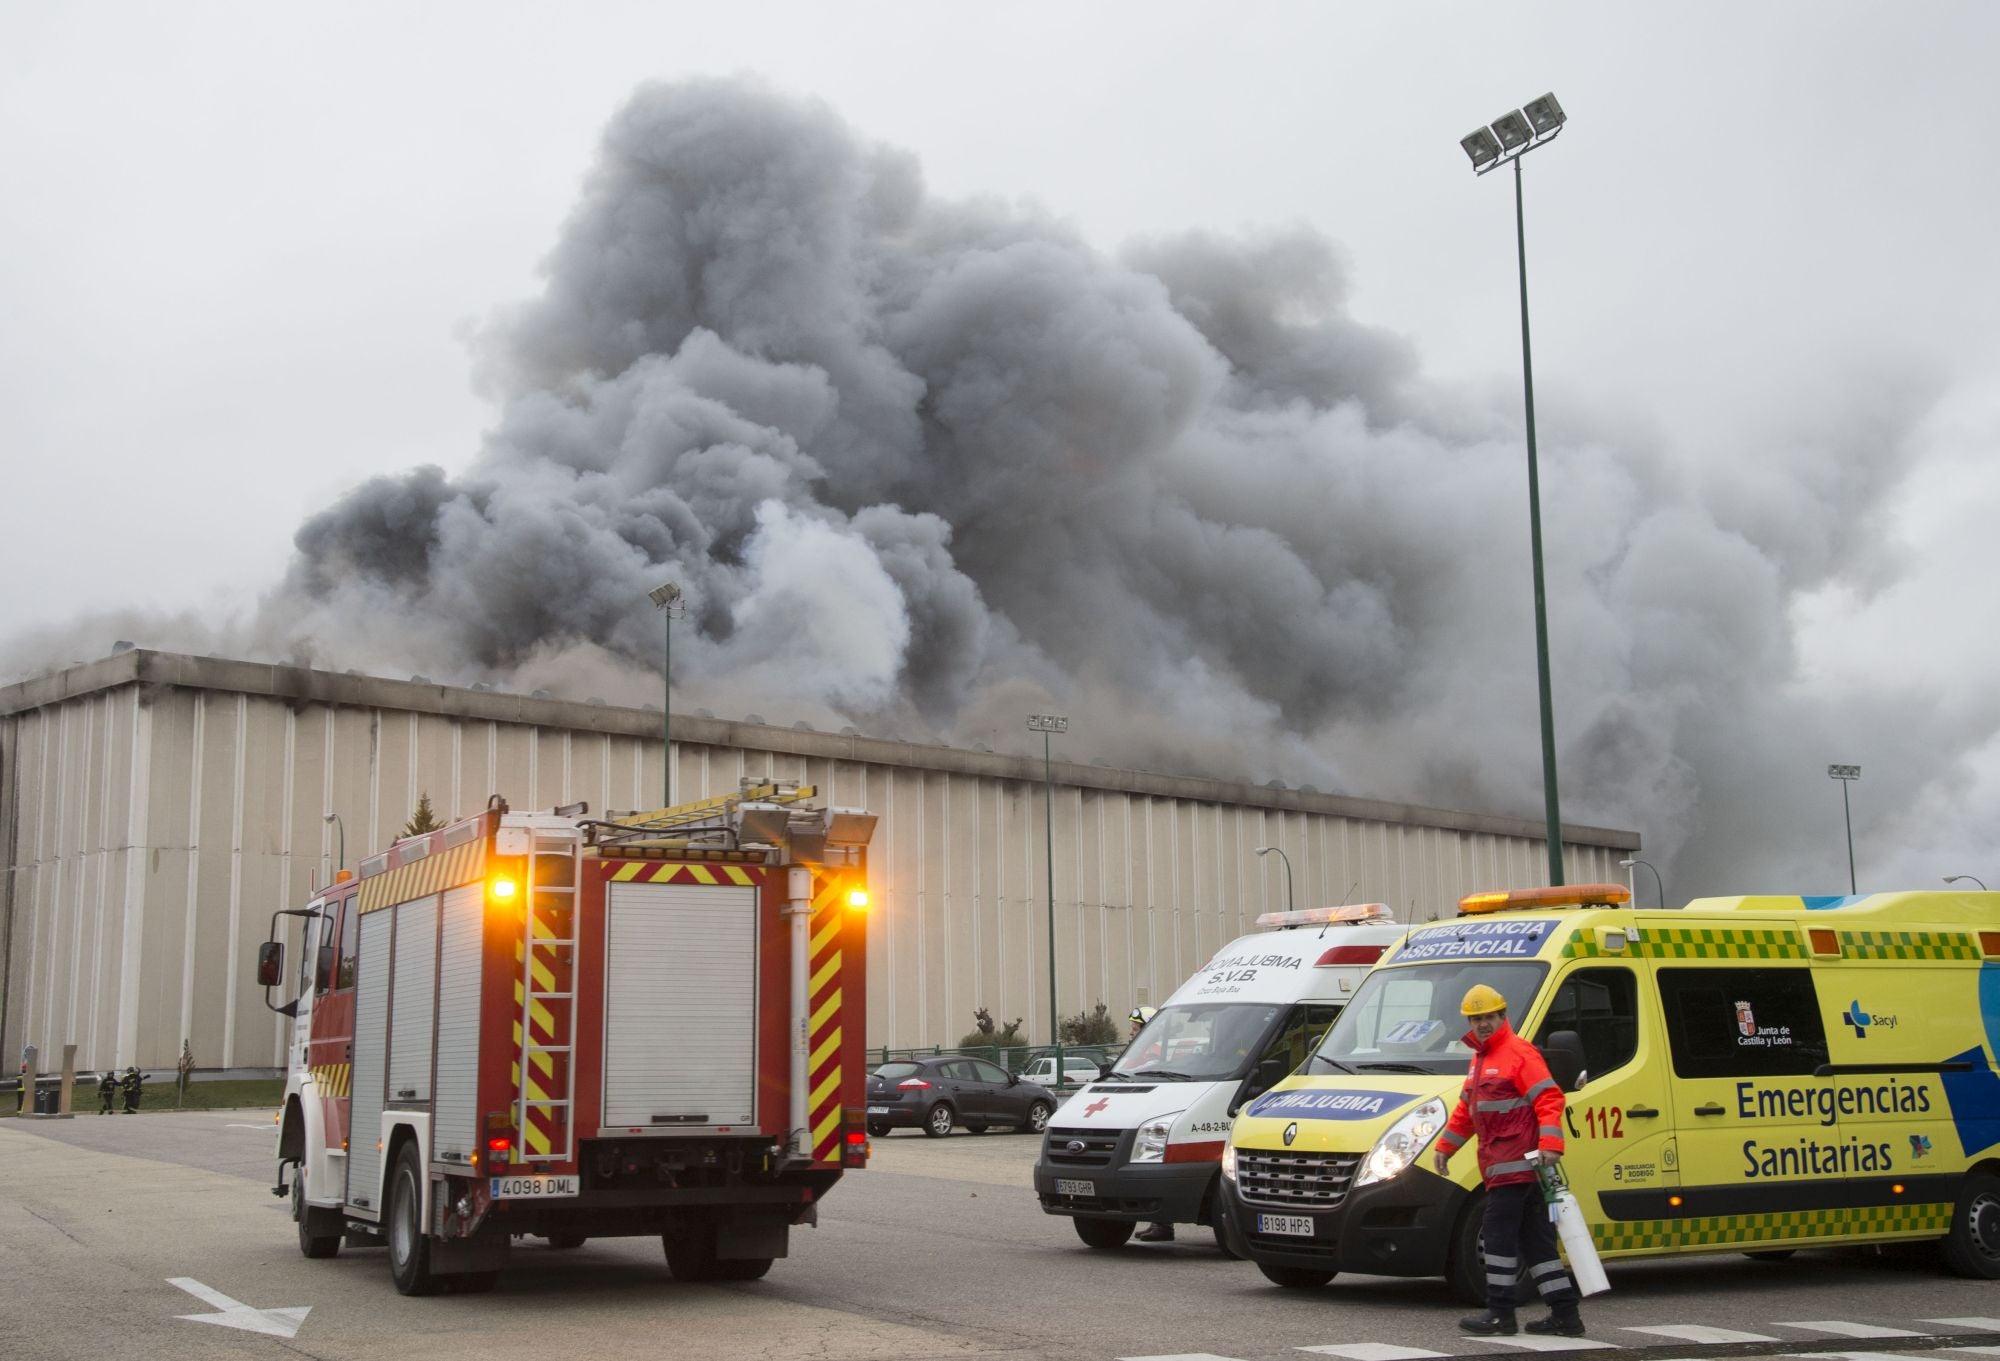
(924, 466)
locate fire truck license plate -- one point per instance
(1075, 1188)
(1298, 1226)
(526, 1188)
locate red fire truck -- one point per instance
(570, 1027)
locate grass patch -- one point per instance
(230, 1094)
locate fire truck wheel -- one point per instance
(562, 1242)
(1103, 1233)
(939, 1122)
(473, 1282)
(1973, 1246)
(691, 1253)
(409, 1245)
(743, 1269)
(1038, 1118)
(310, 1243)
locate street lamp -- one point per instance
(1510, 137)
(1657, 882)
(1046, 724)
(1288, 871)
(340, 827)
(1847, 775)
(667, 599)
(1959, 878)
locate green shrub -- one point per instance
(1089, 1027)
(988, 1035)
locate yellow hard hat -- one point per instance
(1143, 1013)
(1481, 1000)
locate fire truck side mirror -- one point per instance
(270, 964)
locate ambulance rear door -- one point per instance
(1619, 1143)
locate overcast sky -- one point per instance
(255, 256)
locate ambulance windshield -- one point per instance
(1200, 1041)
(1407, 1020)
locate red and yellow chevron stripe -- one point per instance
(542, 1092)
(823, 1006)
(333, 1079)
(671, 872)
(433, 874)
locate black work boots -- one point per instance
(1492, 1323)
(1563, 1321)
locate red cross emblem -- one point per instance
(1097, 1105)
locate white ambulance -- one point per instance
(1143, 1143)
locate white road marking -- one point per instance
(1851, 1356)
(1970, 1325)
(236, 1314)
(1180, 1356)
(1846, 1329)
(1974, 1351)
(1373, 1351)
(1700, 1332)
(1552, 1344)
(235, 1126)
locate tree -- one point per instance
(1089, 1027)
(423, 820)
(988, 1034)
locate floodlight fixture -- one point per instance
(664, 596)
(1513, 131)
(1483, 147)
(1545, 115)
(1843, 772)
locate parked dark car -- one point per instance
(933, 1094)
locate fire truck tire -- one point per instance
(310, 1243)
(473, 1282)
(1103, 1233)
(562, 1242)
(691, 1254)
(1972, 1248)
(743, 1268)
(1038, 1118)
(409, 1245)
(939, 1122)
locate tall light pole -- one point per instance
(1045, 724)
(668, 600)
(1288, 871)
(1957, 878)
(1658, 883)
(1847, 775)
(1510, 137)
(341, 827)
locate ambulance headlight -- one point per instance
(1150, 1146)
(1401, 1143)
(1229, 1162)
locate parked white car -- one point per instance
(1076, 1070)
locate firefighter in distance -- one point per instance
(1515, 1109)
(107, 1091)
(130, 1084)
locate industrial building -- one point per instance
(156, 809)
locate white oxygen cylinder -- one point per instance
(1575, 1234)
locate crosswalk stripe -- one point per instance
(1180, 1356)
(1846, 1329)
(1851, 1356)
(1700, 1332)
(1373, 1351)
(1554, 1344)
(1967, 1325)
(1974, 1351)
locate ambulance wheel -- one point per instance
(310, 1243)
(1221, 1235)
(1103, 1233)
(1465, 1269)
(1295, 1277)
(409, 1245)
(1972, 1248)
(939, 1122)
(1038, 1118)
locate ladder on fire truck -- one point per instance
(703, 821)
(547, 1048)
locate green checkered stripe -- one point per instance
(1694, 942)
(1906, 945)
(1723, 1230)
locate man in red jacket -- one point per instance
(1515, 1108)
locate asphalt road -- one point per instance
(937, 1250)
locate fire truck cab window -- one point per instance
(350, 941)
(1743, 1022)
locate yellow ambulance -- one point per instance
(1754, 1074)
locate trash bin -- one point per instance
(48, 1100)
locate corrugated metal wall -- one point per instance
(158, 809)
